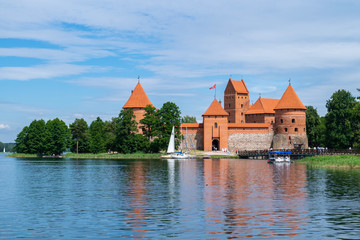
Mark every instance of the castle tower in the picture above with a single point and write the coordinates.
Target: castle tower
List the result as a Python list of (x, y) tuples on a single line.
[(236, 100), (215, 121), (290, 122), (138, 100)]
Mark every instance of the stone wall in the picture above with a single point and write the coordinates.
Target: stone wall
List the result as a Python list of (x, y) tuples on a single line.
[(288, 141), (250, 141), (197, 140)]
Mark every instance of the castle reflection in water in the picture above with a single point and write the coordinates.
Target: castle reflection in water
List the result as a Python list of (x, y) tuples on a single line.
[(219, 197)]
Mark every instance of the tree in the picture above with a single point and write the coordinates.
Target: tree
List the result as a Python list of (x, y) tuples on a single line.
[(169, 117), (312, 126), (79, 130), (110, 134), (36, 137), (97, 136), (188, 119), (339, 132), (150, 124), (2, 145), (21, 141), (58, 137), (356, 124), (126, 129)]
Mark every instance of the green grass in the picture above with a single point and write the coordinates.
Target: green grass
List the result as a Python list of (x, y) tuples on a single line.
[(336, 161), (137, 155), (23, 155)]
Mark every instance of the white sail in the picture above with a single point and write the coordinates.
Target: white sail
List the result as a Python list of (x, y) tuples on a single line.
[(171, 146), (4, 149)]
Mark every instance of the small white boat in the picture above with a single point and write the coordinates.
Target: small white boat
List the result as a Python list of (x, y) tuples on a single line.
[(171, 149), (279, 157)]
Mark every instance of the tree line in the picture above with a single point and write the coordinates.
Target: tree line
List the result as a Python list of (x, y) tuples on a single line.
[(340, 127), (120, 134)]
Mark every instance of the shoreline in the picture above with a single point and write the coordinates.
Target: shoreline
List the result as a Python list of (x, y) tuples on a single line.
[(199, 155), (334, 161)]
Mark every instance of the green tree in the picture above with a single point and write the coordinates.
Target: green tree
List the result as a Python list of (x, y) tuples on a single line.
[(58, 137), (312, 126), (150, 124), (169, 117), (2, 145), (188, 119), (339, 132), (79, 130), (21, 141), (356, 124), (36, 137), (97, 136), (110, 134), (126, 129)]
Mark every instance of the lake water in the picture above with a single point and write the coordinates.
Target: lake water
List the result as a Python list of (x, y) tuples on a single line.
[(180, 199)]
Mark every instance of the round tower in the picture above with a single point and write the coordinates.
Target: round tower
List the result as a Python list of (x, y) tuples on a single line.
[(137, 101), (290, 122)]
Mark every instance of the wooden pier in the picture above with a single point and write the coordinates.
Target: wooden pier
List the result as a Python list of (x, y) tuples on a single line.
[(296, 153)]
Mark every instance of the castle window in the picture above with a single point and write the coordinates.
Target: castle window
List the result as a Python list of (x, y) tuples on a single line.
[(229, 104), (242, 114), (293, 120), (272, 122), (241, 97), (242, 105), (281, 121), (285, 129), (296, 129), (245, 97), (216, 125)]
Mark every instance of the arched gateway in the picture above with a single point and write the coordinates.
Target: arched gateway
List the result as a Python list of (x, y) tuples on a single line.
[(215, 144)]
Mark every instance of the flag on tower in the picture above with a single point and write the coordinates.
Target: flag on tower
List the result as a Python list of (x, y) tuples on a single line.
[(213, 86)]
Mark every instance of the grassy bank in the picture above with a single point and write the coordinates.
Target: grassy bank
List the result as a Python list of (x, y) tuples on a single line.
[(336, 161), (137, 155), (95, 156), (23, 155)]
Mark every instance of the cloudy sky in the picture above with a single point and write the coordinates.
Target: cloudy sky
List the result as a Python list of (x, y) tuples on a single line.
[(81, 59)]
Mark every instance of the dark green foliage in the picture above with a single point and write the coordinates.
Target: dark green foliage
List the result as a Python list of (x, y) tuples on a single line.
[(356, 124), (313, 127), (21, 141), (169, 117), (110, 134), (58, 137), (150, 124), (339, 132), (1, 146), (80, 135), (188, 119), (97, 136), (126, 129), (36, 137)]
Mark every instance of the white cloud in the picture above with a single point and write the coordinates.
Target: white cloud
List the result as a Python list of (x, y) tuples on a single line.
[(43, 71), (4, 126)]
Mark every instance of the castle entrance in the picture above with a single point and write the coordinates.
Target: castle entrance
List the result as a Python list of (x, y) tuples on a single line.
[(215, 145)]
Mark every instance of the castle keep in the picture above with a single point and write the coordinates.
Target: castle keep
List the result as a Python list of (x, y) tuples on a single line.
[(268, 123)]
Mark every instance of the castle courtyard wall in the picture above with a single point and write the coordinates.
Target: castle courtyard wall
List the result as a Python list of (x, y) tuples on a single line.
[(256, 140)]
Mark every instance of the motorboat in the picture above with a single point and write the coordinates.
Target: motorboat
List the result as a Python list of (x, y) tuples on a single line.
[(279, 157)]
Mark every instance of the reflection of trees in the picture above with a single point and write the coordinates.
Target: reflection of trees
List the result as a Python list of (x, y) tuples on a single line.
[(334, 199)]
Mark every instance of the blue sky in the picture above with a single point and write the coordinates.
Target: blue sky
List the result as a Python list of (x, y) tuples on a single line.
[(81, 59)]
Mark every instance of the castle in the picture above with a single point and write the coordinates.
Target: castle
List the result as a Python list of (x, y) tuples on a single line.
[(268, 123)]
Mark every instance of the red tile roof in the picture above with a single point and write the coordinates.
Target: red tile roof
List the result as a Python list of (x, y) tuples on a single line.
[(215, 109), (263, 105), (239, 86), (138, 98), (290, 100)]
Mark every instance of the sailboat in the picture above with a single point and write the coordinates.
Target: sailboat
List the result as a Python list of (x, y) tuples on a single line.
[(4, 151), (171, 149)]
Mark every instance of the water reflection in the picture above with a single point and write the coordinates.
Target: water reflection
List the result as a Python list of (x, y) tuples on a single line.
[(253, 199), (183, 199)]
